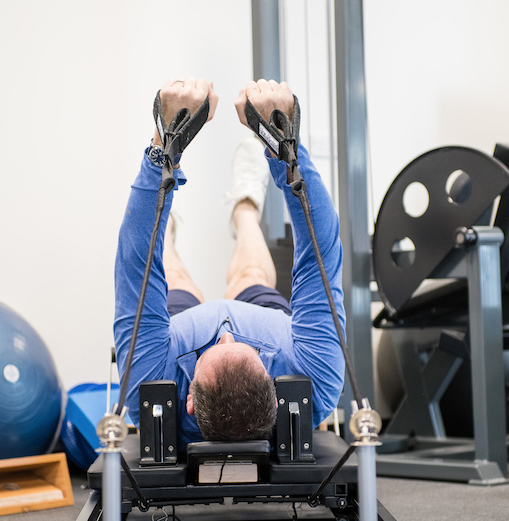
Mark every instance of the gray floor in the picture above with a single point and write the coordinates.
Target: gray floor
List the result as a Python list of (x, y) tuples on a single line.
[(405, 499), (415, 500)]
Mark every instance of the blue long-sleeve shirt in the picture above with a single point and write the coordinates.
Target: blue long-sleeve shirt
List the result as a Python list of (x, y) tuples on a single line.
[(304, 343)]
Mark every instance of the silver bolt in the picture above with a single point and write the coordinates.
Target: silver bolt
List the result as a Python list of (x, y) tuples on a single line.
[(281, 401), (306, 446), (305, 401), (169, 403), (147, 448), (282, 446), (171, 448), (145, 404)]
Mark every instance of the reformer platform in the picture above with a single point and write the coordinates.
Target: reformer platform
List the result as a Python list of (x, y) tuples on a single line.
[(286, 483), (247, 472)]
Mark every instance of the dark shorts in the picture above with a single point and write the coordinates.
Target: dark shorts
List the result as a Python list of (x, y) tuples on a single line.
[(180, 300)]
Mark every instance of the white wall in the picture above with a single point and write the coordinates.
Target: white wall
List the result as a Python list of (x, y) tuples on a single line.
[(78, 82), (436, 75)]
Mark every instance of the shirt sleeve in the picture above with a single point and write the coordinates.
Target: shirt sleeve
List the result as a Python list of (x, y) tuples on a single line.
[(316, 346), (153, 340)]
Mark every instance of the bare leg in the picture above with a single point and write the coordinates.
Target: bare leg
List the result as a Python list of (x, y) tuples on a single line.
[(177, 276), (251, 262)]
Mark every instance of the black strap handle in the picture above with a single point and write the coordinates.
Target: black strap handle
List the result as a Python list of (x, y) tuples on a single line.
[(280, 134), (177, 135)]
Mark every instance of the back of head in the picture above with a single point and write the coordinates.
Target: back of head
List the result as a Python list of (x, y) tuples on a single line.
[(240, 404)]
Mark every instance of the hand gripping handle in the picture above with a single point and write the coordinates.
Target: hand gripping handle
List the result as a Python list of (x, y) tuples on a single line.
[(178, 134), (279, 134)]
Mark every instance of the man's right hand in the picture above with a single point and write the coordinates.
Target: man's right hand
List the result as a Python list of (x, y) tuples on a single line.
[(266, 96), (190, 94)]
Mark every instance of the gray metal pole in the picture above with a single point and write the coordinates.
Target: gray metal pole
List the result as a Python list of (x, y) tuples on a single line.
[(352, 168), (112, 431), (365, 424), (111, 486), (266, 55), (353, 190), (267, 65), (368, 509), (486, 340)]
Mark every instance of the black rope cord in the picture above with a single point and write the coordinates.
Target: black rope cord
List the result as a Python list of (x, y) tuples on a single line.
[(299, 190), (306, 207), (175, 138), (282, 138), (313, 498), (143, 501), (161, 198)]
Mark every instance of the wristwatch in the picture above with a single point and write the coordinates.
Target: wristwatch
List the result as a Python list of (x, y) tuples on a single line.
[(156, 155)]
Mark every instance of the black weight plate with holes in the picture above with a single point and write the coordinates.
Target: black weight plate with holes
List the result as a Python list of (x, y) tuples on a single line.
[(432, 233)]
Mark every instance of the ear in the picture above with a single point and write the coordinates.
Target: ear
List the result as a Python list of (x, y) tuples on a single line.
[(190, 404)]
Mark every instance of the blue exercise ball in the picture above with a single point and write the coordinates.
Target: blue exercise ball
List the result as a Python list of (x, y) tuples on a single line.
[(31, 395)]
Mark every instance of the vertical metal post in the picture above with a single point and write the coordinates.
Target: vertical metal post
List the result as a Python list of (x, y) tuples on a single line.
[(486, 340), (353, 189), (368, 510), (365, 424), (112, 496), (266, 55), (112, 431), (267, 65)]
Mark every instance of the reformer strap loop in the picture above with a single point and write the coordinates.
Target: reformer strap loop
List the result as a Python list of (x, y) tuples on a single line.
[(177, 135)]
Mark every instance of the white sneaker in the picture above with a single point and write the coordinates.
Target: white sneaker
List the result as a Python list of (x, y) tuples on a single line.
[(172, 224), (250, 173)]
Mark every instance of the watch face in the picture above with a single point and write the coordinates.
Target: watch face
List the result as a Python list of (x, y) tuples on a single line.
[(156, 155)]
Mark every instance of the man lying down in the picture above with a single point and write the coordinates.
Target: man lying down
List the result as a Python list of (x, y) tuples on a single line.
[(224, 354)]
